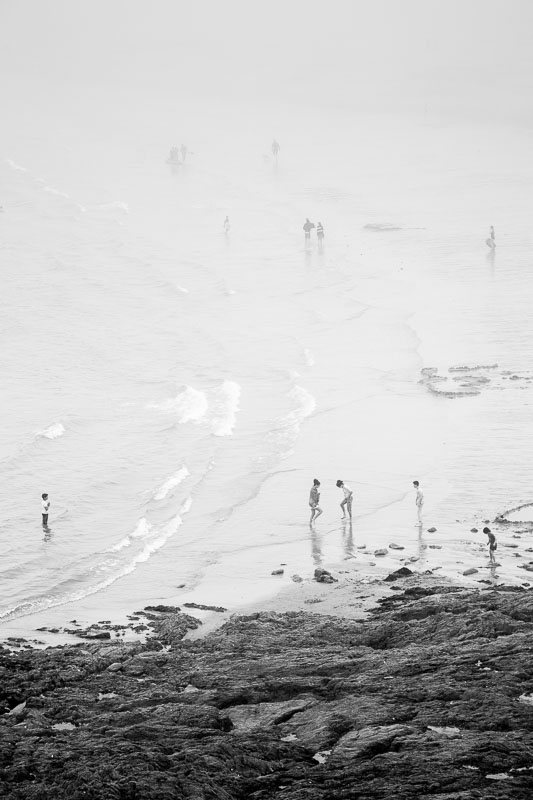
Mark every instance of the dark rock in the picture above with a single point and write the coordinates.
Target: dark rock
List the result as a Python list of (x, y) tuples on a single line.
[(381, 552), (164, 609), (403, 572), (432, 530), (424, 700), (205, 608), (98, 635), (323, 576), (470, 571), (277, 572)]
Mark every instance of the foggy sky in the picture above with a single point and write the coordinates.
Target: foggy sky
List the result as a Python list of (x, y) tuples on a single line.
[(391, 54)]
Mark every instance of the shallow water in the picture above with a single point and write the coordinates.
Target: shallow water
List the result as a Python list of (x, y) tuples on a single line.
[(175, 390)]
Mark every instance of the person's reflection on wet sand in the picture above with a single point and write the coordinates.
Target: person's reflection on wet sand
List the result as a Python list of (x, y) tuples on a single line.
[(491, 259), (421, 544), (316, 546), (347, 538)]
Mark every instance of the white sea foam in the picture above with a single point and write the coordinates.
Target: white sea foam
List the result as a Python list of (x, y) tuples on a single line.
[(116, 204), (190, 405), (16, 166), (53, 432), (305, 405), (287, 428), (217, 408), (141, 532), (52, 190), (171, 483), (226, 405), (153, 544)]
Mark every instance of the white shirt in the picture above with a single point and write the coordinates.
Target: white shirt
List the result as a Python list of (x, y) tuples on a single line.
[(346, 489), (419, 497), (45, 505)]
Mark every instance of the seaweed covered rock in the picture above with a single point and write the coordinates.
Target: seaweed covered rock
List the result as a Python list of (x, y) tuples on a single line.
[(427, 699)]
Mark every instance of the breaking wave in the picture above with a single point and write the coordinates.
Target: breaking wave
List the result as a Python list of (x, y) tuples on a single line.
[(217, 408), (170, 484), (53, 432)]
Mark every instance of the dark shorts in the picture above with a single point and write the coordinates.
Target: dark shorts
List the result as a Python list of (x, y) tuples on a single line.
[(45, 519)]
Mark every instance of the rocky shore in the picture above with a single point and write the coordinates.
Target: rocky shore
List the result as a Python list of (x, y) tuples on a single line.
[(429, 696)]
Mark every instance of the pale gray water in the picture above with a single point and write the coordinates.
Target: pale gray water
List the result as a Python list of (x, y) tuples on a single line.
[(176, 390)]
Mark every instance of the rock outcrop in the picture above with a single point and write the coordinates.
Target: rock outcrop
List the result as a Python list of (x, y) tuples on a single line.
[(428, 699)]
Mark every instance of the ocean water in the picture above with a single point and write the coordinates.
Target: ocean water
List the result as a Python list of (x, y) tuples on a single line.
[(175, 390)]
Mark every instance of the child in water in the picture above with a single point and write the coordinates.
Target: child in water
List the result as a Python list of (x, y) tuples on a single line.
[(493, 544), (314, 499)]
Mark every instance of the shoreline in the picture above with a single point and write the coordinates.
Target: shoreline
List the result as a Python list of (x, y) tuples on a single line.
[(234, 587)]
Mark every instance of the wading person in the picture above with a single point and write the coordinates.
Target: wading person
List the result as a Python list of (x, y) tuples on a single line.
[(314, 499), (45, 507), (346, 504), (419, 501), (308, 227), (492, 543)]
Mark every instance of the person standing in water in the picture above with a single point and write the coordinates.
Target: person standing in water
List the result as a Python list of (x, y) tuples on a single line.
[(492, 543), (491, 241), (226, 225), (45, 507), (320, 234), (308, 227), (346, 504), (314, 499), (275, 149), (183, 152), (419, 501)]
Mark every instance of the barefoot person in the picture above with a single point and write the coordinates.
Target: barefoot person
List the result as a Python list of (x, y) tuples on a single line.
[(348, 496), (45, 506), (493, 544), (320, 234), (314, 499), (419, 500), (308, 227)]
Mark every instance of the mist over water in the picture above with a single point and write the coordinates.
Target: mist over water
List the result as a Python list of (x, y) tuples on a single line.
[(174, 388)]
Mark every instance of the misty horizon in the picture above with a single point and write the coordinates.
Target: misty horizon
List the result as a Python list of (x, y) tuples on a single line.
[(424, 56)]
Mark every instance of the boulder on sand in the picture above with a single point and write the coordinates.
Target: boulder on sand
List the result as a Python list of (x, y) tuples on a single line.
[(323, 576), (403, 572)]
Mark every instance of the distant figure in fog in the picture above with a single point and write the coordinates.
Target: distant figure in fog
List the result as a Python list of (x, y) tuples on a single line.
[(183, 151), (492, 543), (174, 156), (275, 149), (45, 507), (491, 241), (227, 226), (419, 501), (346, 504), (308, 227), (314, 499), (320, 234)]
